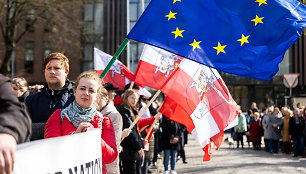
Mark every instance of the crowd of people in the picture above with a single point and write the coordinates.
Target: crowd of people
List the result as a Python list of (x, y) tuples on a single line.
[(63, 107), (280, 129)]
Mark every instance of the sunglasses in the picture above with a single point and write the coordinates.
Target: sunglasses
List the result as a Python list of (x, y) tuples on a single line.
[(146, 99)]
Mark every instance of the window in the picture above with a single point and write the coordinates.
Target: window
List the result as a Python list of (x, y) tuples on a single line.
[(30, 17), (135, 47), (47, 49), (92, 32), (99, 18), (87, 63), (88, 12), (284, 66), (29, 57)]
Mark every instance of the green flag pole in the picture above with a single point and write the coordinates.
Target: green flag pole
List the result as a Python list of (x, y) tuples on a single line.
[(117, 54)]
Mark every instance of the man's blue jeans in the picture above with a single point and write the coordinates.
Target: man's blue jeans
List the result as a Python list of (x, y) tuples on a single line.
[(167, 154)]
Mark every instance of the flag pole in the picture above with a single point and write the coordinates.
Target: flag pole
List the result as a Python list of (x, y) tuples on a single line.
[(142, 112), (131, 85), (117, 54), (151, 128)]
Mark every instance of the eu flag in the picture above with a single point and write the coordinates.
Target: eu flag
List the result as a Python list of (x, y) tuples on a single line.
[(242, 37)]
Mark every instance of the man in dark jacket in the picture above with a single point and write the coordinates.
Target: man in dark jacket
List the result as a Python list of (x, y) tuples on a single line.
[(296, 127), (57, 94), (15, 125)]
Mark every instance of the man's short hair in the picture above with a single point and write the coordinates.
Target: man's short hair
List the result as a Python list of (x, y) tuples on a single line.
[(57, 56)]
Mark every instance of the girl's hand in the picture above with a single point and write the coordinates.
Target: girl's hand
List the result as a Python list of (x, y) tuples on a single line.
[(125, 133), (83, 127)]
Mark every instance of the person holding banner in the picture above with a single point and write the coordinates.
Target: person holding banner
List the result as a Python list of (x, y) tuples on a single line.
[(82, 114), (15, 125)]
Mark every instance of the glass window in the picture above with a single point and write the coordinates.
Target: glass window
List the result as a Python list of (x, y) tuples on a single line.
[(88, 12), (29, 57), (133, 56), (284, 66), (133, 12), (87, 62), (47, 49), (99, 18)]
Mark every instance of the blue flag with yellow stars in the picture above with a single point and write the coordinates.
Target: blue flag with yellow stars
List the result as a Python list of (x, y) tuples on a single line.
[(242, 37)]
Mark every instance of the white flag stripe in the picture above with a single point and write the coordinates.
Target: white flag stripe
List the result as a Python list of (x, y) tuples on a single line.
[(204, 123), (202, 143), (101, 59), (232, 124), (153, 55), (193, 69)]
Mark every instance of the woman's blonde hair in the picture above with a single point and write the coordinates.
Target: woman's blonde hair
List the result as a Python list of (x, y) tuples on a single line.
[(125, 97), (21, 83)]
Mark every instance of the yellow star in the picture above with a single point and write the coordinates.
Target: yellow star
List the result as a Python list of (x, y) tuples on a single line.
[(170, 15), (244, 39), (195, 44), (178, 32), (257, 20), (261, 2), (174, 1), (220, 48)]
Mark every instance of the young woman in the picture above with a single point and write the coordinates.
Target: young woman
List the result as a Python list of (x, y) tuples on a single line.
[(81, 114), (132, 145)]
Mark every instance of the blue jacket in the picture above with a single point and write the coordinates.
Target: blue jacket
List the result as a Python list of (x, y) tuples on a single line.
[(41, 106)]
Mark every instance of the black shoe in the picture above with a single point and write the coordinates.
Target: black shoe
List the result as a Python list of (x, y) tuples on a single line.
[(149, 171), (294, 155), (185, 162)]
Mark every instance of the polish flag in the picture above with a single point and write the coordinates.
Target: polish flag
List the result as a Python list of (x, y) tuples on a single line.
[(198, 98), (119, 75), (155, 66)]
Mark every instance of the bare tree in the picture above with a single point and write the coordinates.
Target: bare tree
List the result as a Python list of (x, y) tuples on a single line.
[(18, 17)]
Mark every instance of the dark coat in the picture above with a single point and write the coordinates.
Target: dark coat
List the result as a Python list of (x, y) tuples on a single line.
[(41, 106), (14, 119), (132, 143), (296, 130), (23, 97), (170, 129)]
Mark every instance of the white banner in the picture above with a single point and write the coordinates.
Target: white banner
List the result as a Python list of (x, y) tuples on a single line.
[(72, 154)]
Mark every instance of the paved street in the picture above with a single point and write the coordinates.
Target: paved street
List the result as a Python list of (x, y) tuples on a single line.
[(231, 160)]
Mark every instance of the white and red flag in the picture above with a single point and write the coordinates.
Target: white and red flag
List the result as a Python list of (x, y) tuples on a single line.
[(119, 75), (155, 66), (198, 98)]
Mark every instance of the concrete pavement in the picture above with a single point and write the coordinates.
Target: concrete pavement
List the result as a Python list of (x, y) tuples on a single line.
[(231, 160)]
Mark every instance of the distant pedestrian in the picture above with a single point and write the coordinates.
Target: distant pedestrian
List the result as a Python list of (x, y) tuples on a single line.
[(256, 131), (267, 129), (240, 129), (275, 122), (287, 145), (171, 133), (249, 117), (296, 128)]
